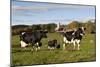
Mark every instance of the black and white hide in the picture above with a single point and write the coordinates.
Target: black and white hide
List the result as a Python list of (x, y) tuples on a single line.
[(52, 44), (73, 37), (33, 38)]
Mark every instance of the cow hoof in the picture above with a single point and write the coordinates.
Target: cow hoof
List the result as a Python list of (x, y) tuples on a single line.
[(31, 49), (78, 49), (39, 48), (36, 50)]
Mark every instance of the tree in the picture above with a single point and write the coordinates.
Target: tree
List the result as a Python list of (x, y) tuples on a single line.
[(36, 27), (51, 27), (74, 24), (90, 27)]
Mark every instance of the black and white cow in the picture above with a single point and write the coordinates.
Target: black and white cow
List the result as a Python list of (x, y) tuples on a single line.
[(34, 38), (73, 37), (52, 44)]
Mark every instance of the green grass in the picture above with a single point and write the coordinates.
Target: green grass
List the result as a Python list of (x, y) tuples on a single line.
[(45, 56)]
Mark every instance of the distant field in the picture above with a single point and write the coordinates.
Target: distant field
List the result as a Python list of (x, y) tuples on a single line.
[(87, 52)]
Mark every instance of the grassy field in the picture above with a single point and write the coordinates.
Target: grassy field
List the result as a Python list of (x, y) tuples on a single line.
[(87, 52)]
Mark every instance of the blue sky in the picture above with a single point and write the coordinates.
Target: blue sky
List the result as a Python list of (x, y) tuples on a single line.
[(42, 13)]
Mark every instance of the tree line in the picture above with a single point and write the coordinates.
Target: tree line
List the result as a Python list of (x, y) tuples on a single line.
[(17, 29), (89, 25)]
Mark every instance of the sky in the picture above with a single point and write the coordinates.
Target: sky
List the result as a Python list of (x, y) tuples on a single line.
[(29, 13)]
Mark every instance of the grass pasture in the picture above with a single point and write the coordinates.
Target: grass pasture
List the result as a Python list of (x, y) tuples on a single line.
[(87, 52)]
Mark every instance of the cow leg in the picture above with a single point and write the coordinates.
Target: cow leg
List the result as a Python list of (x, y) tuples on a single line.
[(33, 47), (78, 43), (78, 46), (48, 47), (64, 46), (53, 48), (36, 49), (65, 41), (74, 44), (37, 46)]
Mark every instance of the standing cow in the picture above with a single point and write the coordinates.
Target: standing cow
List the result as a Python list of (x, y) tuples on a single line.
[(73, 37), (33, 38)]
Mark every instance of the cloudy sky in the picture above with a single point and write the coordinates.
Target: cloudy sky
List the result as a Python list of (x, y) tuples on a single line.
[(43, 13)]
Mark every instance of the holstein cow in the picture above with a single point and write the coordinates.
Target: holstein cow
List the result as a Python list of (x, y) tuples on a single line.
[(73, 37), (52, 44), (33, 38)]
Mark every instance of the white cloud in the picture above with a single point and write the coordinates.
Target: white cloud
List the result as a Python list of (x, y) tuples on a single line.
[(47, 6), (27, 10), (20, 10)]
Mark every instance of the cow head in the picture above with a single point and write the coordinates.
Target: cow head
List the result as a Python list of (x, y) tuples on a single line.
[(81, 31), (44, 33)]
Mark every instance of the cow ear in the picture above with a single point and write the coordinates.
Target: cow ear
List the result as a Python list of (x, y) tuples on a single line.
[(79, 28)]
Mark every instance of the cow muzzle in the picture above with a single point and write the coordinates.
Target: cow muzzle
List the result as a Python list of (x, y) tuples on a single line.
[(82, 34)]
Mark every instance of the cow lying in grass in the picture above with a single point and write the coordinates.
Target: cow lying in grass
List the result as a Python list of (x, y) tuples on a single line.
[(33, 38), (52, 44), (73, 37)]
